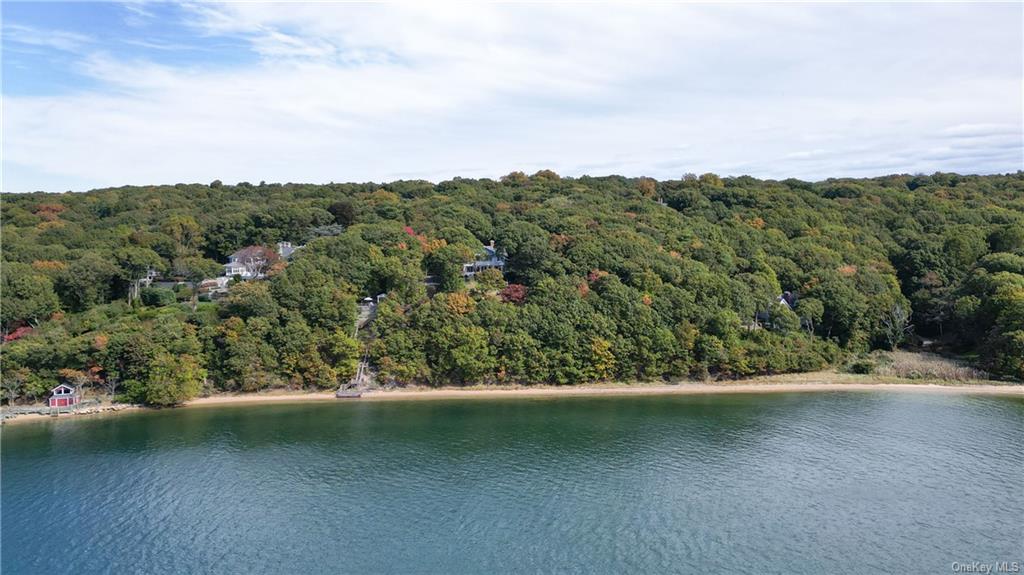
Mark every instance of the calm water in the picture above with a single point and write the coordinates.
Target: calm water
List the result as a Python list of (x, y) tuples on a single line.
[(791, 483)]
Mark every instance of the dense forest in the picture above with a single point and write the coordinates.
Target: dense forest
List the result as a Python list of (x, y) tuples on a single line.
[(605, 278)]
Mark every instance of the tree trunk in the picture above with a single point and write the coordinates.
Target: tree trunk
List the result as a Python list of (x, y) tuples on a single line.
[(133, 291)]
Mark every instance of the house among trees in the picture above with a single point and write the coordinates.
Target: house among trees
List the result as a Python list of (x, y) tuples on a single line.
[(251, 262), (214, 287), (64, 395), (285, 250), (151, 275), (487, 259), (787, 299)]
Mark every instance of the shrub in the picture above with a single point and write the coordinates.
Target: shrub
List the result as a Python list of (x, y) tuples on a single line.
[(926, 366), (157, 297), (863, 366), (182, 292)]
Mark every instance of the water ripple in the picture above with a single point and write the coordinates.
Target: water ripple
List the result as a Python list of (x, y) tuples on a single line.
[(788, 483)]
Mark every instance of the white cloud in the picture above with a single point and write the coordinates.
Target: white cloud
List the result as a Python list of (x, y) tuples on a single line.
[(30, 36), (360, 92), (136, 13)]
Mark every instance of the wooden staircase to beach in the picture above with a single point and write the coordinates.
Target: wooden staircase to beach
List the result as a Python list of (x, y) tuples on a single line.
[(364, 376)]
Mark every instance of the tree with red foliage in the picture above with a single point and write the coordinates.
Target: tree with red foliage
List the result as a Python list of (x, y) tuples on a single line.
[(513, 293)]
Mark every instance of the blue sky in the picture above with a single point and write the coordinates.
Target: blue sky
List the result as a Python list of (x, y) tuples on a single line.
[(107, 94)]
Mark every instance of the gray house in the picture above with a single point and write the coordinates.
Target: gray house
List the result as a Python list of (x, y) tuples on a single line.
[(489, 258)]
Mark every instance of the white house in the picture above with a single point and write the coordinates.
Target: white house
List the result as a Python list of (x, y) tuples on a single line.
[(488, 259), (250, 262), (151, 275)]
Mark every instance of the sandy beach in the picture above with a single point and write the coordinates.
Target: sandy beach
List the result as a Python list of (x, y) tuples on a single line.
[(420, 394), (789, 383)]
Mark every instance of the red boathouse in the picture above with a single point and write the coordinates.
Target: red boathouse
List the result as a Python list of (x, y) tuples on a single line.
[(64, 395)]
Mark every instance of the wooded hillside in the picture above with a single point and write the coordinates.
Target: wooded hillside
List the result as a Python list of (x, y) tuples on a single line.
[(604, 278)]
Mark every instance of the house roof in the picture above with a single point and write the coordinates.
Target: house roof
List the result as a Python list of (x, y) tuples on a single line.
[(254, 252), (18, 333), (286, 249), (70, 386), (214, 282)]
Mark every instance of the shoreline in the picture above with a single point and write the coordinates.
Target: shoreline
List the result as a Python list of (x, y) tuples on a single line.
[(789, 383), (423, 394)]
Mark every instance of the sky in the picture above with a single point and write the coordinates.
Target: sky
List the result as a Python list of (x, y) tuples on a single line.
[(109, 94)]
